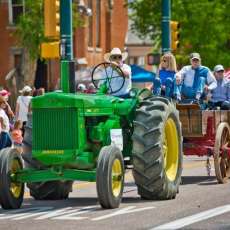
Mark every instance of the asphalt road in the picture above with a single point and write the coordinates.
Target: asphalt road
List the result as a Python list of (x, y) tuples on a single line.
[(200, 204)]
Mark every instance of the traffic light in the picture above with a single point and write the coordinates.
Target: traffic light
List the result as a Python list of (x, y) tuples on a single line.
[(50, 50), (52, 18), (175, 35)]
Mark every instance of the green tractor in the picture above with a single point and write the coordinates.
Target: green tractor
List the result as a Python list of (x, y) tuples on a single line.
[(93, 137)]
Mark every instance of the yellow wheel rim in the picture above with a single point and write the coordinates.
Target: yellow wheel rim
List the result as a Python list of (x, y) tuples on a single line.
[(171, 149), (15, 188), (117, 177)]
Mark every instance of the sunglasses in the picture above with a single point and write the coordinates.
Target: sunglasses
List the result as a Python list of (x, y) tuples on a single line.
[(116, 57), (220, 71), (195, 60)]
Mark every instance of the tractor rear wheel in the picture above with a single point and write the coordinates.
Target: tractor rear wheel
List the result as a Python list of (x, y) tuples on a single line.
[(11, 192), (157, 149), (110, 177), (51, 190)]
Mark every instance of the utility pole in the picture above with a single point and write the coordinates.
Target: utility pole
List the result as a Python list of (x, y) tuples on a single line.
[(66, 47), (165, 24)]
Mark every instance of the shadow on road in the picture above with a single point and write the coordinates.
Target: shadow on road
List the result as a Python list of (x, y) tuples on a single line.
[(78, 202), (130, 184), (70, 202), (200, 180)]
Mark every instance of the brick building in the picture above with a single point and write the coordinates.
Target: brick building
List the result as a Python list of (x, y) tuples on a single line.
[(104, 29)]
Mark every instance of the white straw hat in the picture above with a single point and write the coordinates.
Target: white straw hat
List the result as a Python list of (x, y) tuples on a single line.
[(115, 51)]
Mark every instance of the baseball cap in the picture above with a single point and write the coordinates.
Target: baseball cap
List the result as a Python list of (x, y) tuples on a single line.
[(218, 68), (25, 89), (4, 93), (195, 56)]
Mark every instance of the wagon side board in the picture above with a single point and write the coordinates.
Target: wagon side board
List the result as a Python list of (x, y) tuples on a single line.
[(195, 121)]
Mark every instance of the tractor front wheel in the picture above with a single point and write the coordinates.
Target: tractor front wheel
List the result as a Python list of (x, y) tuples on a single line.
[(157, 149), (110, 177), (11, 192)]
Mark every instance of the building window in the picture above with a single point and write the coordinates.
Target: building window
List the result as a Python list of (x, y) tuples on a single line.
[(90, 38), (98, 23), (141, 61), (16, 8)]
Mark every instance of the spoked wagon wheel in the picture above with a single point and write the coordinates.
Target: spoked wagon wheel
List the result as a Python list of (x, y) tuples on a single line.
[(11, 192), (221, 157), (110, 177)]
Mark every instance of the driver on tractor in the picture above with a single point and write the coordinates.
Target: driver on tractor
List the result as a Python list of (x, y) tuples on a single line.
[(120, 84)]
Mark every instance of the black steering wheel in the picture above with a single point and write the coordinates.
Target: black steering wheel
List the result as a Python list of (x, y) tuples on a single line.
[(107, 72)]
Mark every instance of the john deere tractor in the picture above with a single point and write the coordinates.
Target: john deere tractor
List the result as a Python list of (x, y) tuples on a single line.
[(86, 137)]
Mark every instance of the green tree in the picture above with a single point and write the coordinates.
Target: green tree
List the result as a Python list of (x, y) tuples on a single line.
[(204, 27), (30, 34)]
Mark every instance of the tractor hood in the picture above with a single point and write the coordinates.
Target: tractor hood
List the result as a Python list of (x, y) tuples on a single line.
[(91, 104)]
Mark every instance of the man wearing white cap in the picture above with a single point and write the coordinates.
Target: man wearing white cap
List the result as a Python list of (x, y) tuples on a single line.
[(221, 94), (117, 58), (195, 79)]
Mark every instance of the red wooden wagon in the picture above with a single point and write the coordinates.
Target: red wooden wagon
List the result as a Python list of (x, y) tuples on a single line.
[(207, 132)]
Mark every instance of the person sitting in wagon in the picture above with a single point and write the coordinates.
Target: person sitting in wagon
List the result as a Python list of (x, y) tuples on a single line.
[(195, 80), (164, 84), (220, 96)]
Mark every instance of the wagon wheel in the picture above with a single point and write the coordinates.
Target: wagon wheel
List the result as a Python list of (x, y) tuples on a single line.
[(221, 157)]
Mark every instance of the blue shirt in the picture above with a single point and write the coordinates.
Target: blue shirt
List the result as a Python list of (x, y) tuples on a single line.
[(222, 91), (164, 74)]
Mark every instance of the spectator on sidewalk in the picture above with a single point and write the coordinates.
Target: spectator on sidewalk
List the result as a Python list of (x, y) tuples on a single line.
[(220, 96), (4, 93), (36, 92), (16, 135), (195, 80), (164, 83), (81, 88), (22, 105), (5, 140)]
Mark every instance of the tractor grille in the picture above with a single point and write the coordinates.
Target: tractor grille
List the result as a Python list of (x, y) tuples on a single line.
[(54, 128)]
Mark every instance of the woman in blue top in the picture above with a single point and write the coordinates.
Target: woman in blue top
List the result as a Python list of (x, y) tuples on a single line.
[(164, 83)]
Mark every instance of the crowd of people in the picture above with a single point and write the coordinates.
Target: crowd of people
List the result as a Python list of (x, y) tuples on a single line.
[(12, 123), (194, 82)]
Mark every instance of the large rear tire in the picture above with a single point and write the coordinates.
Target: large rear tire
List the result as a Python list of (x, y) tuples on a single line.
[(11, 192), (51, 190), (110, 177), (157, 149)]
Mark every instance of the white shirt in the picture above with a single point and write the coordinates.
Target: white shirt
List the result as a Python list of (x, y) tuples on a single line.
[(116, 83), (5, 119), (23, 102), (187, 74)]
